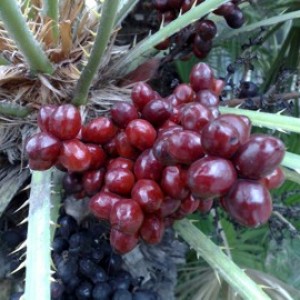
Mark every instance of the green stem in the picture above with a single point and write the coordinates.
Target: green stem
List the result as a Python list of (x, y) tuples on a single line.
[(291, 175), (38, 258), (146, 48), (14, 110), (107, 20), (220, 262), (273, 121), (126, 8), (292, 161), (51, 10), (15, 24)]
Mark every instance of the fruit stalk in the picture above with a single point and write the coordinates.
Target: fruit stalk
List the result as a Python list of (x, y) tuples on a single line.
[(15, 24), (51, 10), (227, 269), (38, 258), (143, 50), (106, 23)]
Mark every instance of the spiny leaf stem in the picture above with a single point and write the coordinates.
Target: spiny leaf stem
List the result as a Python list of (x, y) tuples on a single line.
[(107, 21), (220, 262), (15, 24), (51, 10)]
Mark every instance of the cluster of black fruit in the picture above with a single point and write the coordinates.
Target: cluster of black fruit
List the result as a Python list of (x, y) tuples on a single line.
[(198, 37), (87, 267)]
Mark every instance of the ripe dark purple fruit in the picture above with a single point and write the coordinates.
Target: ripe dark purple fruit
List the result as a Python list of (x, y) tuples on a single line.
[(235, 18), (123, 112), (126, 216), (249, 203), (201, 77), (207, 98), (124, 147), (210, 177), (65, 122), (44, 116), (220, 138), (207, 29), (273, 180), (43, 146), (259, 156), (92, 181), (98, 156), (205, 206), (183, 93)]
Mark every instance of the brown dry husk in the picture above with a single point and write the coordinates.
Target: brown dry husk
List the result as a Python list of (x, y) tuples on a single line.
[(77, 25)]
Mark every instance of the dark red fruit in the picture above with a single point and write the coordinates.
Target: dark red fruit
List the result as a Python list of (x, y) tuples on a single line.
[(175, 4), (65, 122), (161, 152), (44, 116), (273, 180), (210, 177), (72, 183), (241, 123), (164, 133), (123, 243), (141, 134), (141, 94), (225, 9), (220, 138), (75, 156), (92, 181), (165, 44), (194, 116), (152, 229), (100, 205), (235, 18), (173, 183), (98, 156), (40, 165), (185, 146), (156, 112), (205, 206), (148, 194), (119, 181), (125, 148), (207, 98), (168, 207), (126, 216), (207, 29), (259, 156), (111, 147), (249, 203), (43, 146), (189, 205), (201, 77), (147, 166), (218, 86), (201, 45), (123, 112), (183, 93), (100, 131), (161, 5), (120, 162)]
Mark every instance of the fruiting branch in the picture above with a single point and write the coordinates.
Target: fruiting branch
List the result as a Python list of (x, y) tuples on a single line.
[(107, 21), (38, 258), (146, 47), (273, 121), (15, 24), (13, 110), (227, 269), (51, 10)]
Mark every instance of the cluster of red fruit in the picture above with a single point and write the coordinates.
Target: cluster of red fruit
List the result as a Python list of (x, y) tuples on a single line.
[(157, 160), (199, 35)]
